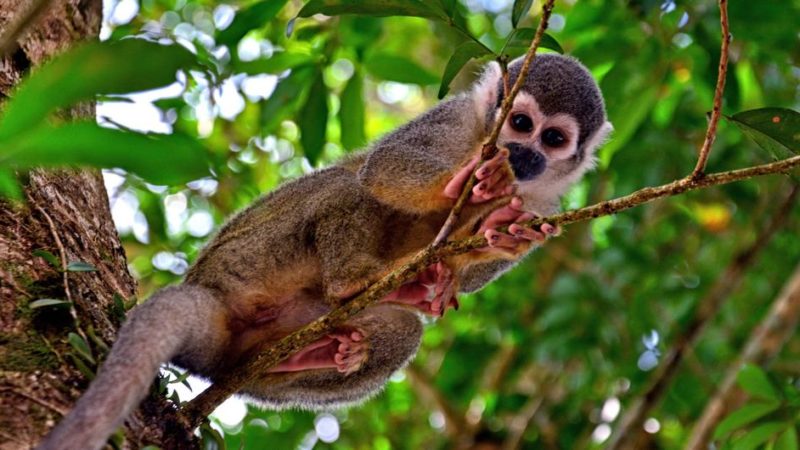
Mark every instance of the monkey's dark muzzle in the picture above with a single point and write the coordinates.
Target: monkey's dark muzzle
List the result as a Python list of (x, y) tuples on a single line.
[(526, 162)]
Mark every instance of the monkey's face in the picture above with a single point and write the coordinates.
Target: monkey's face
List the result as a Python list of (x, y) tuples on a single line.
[(544, 149)]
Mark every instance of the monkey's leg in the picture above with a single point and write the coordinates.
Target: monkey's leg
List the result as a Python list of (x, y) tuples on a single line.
[(185, 320), (432, 292), (519, 238), (344, 351)]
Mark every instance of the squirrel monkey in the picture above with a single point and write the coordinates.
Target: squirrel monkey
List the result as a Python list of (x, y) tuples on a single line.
[(315, 242)]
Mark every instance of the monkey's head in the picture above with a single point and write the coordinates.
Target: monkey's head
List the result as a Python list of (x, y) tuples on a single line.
[(557, 122)]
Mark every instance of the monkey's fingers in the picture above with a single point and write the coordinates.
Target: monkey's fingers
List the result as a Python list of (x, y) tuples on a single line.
[(492, 166), (505, 215), (456, 184)]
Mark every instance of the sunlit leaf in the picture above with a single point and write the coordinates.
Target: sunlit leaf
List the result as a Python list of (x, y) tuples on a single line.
[(520, 10), (463, 53), (96, 68), (755, 381), (351, 112), (161, 159), (313, 120), (253, 17), (758, 435), (49, 257), (776, 130), (42, 302), (80, 266), (787, 440), (381, 8), (743, 416), (523, 37), (398, 68)]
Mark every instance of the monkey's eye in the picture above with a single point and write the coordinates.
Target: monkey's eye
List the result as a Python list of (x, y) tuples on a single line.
[(521, 123), (551, 137)]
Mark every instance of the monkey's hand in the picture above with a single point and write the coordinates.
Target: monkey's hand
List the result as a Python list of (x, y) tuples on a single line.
[(494, 179), (345, 351), (432, 292), (518, 240)]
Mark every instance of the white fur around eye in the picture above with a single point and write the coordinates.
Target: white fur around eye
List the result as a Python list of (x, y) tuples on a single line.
[(569, 127)]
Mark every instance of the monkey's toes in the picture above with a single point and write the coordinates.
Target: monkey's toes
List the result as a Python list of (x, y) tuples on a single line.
[(351, 352)]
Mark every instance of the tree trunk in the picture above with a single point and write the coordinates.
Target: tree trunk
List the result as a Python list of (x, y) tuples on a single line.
[(66, 215)]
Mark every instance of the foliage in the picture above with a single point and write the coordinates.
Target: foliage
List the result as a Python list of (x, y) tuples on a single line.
[(554, 344)]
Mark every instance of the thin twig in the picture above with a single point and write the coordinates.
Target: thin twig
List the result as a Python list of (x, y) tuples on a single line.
[(65, 273), (764, 343), (631, 423), (21, 22), (711, 132), (223, 387), (490, 147)]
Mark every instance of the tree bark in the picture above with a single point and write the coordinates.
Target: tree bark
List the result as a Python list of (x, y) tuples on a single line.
[(65, 214)]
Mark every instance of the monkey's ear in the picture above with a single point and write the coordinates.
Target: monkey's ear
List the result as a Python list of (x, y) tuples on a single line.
[(486, 88), (598, 138)]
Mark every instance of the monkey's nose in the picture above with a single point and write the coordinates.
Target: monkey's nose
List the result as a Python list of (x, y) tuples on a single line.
[(527, 163)]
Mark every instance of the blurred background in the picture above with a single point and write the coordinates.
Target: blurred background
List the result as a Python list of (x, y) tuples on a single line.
[(554, 353)]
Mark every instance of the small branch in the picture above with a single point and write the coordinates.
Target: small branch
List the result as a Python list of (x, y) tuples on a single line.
[(490, 147), (21, 22), (765, 341), (630, 426), (223, 387), (711, 132)]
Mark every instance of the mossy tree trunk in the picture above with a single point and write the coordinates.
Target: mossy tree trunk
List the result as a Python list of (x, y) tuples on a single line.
[(66, 215)]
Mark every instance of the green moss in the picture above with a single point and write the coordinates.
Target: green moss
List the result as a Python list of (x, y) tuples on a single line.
[(25, 353)]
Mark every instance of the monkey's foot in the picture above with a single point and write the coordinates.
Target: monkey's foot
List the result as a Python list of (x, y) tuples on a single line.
[(432, 292), (494, 179), (519, 238), (344, 351)]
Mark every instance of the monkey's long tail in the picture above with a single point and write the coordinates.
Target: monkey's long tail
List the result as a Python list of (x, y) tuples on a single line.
[(173, 320)]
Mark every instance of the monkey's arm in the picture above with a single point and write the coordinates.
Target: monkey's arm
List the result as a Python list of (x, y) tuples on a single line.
[(410, 168), (182, 319)]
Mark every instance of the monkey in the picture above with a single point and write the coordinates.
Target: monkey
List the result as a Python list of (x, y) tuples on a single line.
[(317, 241)]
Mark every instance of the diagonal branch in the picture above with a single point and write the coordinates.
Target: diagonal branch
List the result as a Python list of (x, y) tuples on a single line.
[(490, 147)]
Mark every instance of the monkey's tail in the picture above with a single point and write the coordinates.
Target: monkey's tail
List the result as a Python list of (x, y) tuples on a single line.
[(173, 320)]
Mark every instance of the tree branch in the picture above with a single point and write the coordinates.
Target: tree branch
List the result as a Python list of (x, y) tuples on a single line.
[(490, 147), (711, 132), (764, 343), (630, 426)]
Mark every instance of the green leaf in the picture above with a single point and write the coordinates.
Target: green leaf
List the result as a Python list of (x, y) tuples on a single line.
[(275, 64), (787, 440), (463, 53), (9, 186), (253, 17), (776, 130), (286, 98), (523, 37), (755, 381), (398, 68), (47, 302), (313, 120), (758, 435), (161, 159), (80, 346), (351, 112), (520, 10), (96, 68), (80, 266), (380, 8), (743, 416), (49, 257)]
